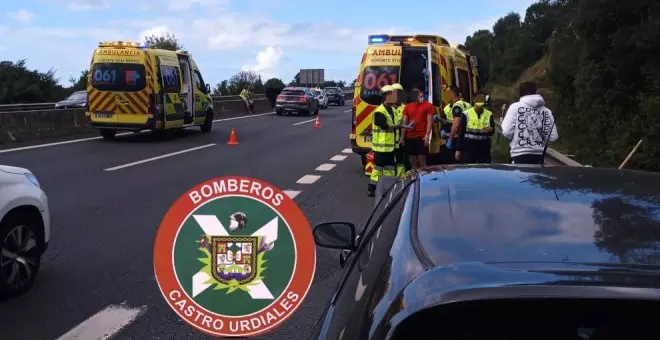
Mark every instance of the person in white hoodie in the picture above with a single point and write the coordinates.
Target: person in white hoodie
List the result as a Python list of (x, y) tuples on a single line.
[(529, 125)]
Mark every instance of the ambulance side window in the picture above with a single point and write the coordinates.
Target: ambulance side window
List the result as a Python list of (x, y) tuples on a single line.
[(464, 82), (437, 84), (171, 78), (199, 81)]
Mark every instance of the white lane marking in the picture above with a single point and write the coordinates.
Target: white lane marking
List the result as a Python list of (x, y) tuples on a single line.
[(105, 323), (346, 111), (304, 122), (159, 157), (347, 151), (308, 179), (338, 158), (243, 117), (325, 167), (292, 193), (119, 134)]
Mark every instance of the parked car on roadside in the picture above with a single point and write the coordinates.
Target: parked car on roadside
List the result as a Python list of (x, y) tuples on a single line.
[(500, 252), (77, 99), (321, 97), (296, 100), (335, 95), (24, 229)]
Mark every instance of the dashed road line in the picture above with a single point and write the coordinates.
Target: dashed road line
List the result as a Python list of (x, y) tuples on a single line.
[(105, 323), (308, 179), (292, 193), (79, 140), (347, 111), (159, 157), (304, 122), (347, 150), (338, 158), (325, 167)]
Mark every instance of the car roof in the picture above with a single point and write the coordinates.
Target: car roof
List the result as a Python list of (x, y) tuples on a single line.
[(295, 88), (508, 214)]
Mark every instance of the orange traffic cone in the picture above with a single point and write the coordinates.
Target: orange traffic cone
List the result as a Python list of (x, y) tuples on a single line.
[(232, 138), (317, 123)]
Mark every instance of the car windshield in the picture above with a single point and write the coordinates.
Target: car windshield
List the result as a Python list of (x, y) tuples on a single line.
[(293, 92), (78, 96)]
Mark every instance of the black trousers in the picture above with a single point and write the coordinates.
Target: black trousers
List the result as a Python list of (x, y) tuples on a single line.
[(527, 159), (476, 152)]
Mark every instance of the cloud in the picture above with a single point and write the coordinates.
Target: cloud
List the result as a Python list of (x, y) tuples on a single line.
[(22, 15), (86, 5), (267, 62), (177, 5)]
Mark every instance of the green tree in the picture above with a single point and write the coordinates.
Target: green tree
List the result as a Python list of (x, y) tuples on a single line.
[(20, 85), (80, 83), (166, 42), (274, 83), (479, 45), (221, 89), (296, 80), (244, 78)]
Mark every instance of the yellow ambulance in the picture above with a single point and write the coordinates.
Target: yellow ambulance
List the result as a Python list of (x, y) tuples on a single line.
[(133, 87), (412, 59)]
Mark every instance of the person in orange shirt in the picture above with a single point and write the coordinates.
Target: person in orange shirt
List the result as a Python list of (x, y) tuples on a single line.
[(416, 139)]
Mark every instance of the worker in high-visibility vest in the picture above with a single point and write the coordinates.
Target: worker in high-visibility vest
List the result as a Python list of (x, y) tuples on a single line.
[(246, 95), (383, 141), (473, 143), (452, 113), (400, 155)]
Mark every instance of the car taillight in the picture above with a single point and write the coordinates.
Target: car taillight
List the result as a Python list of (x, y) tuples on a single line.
[(302, 99), (280, 98)]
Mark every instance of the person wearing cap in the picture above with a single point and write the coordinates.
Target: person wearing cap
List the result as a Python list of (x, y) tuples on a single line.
[(401, 158), (383, 141), (477, 126), (417, 138)]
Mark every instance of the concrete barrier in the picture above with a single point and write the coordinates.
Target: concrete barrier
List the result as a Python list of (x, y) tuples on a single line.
[(34, 125)]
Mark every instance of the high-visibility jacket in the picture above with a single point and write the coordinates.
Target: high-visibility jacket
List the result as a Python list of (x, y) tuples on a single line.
[(398, 116), (383, 141), (244, 94), (449, 107), (475, 124)]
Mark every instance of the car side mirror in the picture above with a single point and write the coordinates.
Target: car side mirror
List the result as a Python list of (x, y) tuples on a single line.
[(335, 235), (208, 88)]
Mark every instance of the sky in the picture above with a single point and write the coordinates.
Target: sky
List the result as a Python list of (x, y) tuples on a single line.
[(275, 38)]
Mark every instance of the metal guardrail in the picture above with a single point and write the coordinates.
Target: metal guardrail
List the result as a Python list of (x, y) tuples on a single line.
[(31, 107)]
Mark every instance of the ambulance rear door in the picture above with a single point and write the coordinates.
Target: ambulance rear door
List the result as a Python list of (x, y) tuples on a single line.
[(382, 66), (171, 84)]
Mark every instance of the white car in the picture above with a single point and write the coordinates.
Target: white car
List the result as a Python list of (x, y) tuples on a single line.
[(323, 99), (24, 229)]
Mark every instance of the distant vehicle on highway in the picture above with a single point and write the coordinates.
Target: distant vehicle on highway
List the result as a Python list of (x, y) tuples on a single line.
[(296, 100), (335, 95), (77, 99), (24, 229), (134, 87), (321, 97), (512, 253)]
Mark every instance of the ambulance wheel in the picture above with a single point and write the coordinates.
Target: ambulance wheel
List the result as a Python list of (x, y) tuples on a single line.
[(108, 134), (208, 123)]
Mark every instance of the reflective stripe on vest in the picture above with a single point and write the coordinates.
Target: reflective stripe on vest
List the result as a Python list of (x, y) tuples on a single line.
[(382, 141), (475, 124)]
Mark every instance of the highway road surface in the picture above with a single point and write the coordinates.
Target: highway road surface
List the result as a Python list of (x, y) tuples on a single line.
[(108, 197)]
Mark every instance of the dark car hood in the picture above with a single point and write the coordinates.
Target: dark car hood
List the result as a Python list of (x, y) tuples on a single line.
[(540, 214)]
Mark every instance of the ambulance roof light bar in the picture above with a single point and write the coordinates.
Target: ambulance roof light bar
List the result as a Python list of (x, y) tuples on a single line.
[(118, 44), (378, 39)]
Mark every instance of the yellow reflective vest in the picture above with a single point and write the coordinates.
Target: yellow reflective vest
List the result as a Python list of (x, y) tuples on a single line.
[(383, 141), (244, 94), (475, 124)]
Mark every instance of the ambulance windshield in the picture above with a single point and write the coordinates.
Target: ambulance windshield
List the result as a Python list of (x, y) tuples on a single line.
[(118, 77), (373, 79)]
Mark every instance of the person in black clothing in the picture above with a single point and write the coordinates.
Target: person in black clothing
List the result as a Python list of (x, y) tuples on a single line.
[(473, 145)]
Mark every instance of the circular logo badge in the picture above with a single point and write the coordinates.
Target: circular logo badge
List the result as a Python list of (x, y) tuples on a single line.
[(234, 256)]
